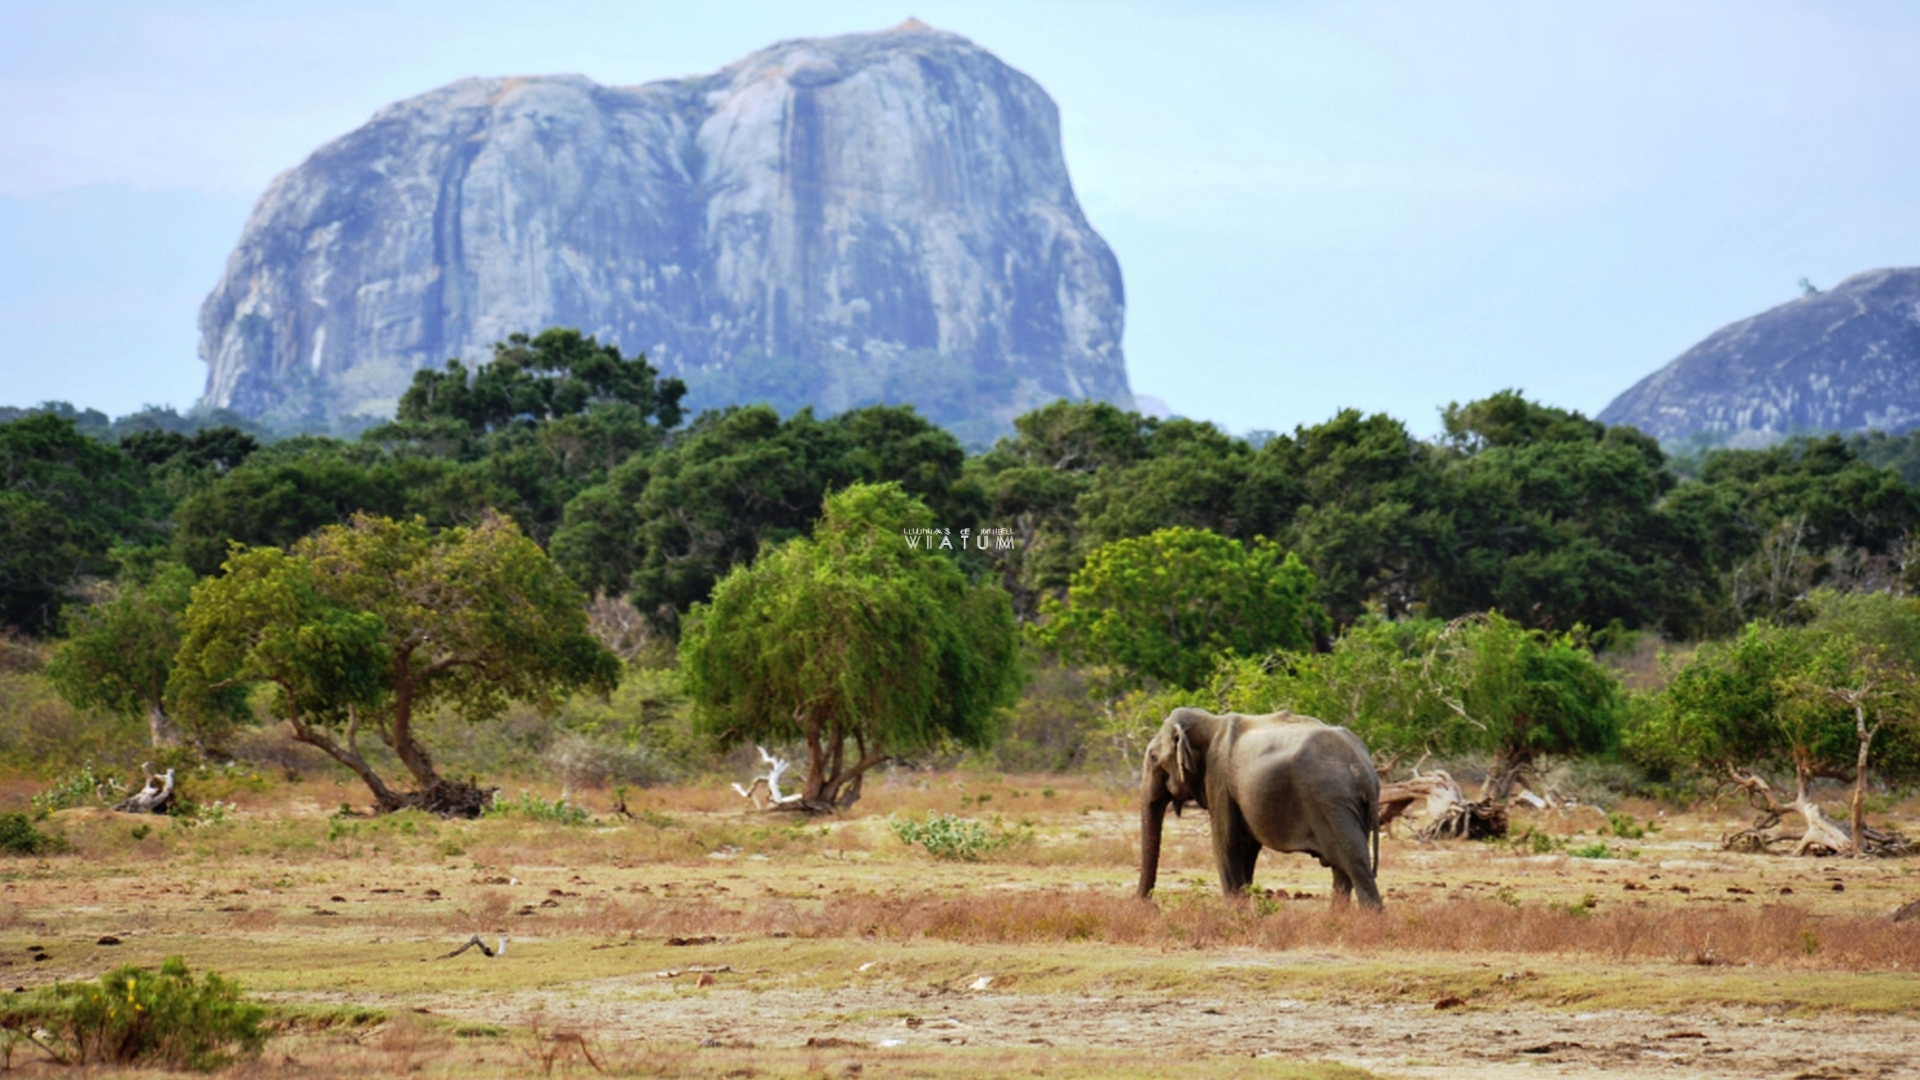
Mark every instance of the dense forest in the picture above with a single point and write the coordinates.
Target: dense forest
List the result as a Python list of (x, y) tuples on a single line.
[(1531, 523)]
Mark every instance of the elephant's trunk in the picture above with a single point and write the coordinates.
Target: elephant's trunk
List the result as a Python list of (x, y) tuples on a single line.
[(1153, 816)]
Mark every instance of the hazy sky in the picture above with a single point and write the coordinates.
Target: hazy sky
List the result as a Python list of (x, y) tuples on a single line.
[(1315, 205)]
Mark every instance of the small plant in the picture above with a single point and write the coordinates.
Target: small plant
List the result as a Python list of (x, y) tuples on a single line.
[(560, 811), (141, 832), (949, 836), (1583, 909), (19, 837), (134, 1016), (1624, 827), (1535, 842), (1596, 850), (82, 788), (1507, 896)]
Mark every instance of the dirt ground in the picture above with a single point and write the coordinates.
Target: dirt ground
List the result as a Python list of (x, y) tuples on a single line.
[(694, 939)]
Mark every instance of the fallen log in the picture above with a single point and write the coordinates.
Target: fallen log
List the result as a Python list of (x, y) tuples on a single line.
[(1450, 814)]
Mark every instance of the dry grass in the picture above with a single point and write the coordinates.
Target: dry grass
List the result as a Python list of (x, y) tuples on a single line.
[(1772, 935)]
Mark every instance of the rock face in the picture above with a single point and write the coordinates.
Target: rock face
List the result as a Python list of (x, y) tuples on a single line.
[(871, 217), (1843, 360)]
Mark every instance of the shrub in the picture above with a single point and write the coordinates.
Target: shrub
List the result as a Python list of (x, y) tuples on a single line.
[(534, 808), (949, 836), (19, 837), (83, 787), (583, 761), (134, 1016)]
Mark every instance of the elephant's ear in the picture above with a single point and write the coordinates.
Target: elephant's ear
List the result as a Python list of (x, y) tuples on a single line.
[(1183, 758)]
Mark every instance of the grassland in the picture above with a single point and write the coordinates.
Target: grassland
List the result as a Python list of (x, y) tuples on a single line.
[(694, 939)]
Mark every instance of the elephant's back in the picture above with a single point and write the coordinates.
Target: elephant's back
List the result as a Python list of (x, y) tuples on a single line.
[(1301, 756)]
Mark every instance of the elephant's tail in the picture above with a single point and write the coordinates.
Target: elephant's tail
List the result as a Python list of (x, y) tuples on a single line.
[(1374, 807)]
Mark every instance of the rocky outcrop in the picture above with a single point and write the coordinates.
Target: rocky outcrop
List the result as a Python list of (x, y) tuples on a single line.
[(1843, 360), (867, 217)]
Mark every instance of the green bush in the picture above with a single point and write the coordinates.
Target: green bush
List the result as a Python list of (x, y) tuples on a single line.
[(949, 836), (134, 1016), (83, 787), (19, 837), (534, 808)]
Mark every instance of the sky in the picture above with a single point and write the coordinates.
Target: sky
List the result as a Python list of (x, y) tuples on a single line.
[(1315, 206)]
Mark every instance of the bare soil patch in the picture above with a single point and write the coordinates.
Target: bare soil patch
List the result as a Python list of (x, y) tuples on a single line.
[(812, 947)]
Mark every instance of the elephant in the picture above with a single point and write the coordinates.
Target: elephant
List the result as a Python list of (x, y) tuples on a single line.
[(1281, 781)]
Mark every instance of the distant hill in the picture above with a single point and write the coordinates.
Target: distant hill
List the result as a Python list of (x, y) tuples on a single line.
[(1847, 359), (836, 221)]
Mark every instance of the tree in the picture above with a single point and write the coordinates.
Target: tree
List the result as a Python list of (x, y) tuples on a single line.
[(370, 623), (119, 653), (1773, 525), (1526, 693), (1812, 700), (65, 502), (853, 642), (1033, 481), (668, 526), (1359, 498), (1481, 684), (1167, 605), (559, 372), (1557, 520)]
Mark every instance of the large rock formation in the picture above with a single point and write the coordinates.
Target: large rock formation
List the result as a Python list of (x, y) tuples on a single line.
[(1843, 360), (872, 217)]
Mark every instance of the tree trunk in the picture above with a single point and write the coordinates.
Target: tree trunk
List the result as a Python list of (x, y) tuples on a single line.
[(1856, 812), (399, 736), (1508, 765), (348, 755), (160, 730)]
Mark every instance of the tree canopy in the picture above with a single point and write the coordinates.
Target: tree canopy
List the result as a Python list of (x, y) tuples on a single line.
[(365, 625), (853, 643), (1166, 606), (66, 501)]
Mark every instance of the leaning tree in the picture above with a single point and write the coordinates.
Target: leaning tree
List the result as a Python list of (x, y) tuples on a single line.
[(368, 625), (1829, 700), (854, 643)]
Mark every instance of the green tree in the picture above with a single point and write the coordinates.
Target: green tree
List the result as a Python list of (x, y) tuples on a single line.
[(1167, 605), (1033, 481), (1360, 500), (65, 502), (118, 656), (667, 527), (1815, 700), (1482, 684), (370, 623), (556, 373), (1557, 520), (283, 494), (853, 642), (1527, 693), (1776, 524)]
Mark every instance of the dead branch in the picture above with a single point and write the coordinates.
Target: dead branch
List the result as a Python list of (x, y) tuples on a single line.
[(474, 942), (764, 792), (1450, 815), (1822, 834), (155, 798)]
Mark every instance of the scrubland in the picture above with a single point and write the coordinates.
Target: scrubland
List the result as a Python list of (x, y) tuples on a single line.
[(692, 938)]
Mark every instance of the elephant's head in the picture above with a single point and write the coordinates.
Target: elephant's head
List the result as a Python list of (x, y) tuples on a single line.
[(1173, 775)]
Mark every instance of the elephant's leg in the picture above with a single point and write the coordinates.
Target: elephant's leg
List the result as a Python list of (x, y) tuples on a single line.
[(1342, 888), (1353, 872), (1234, 849)]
